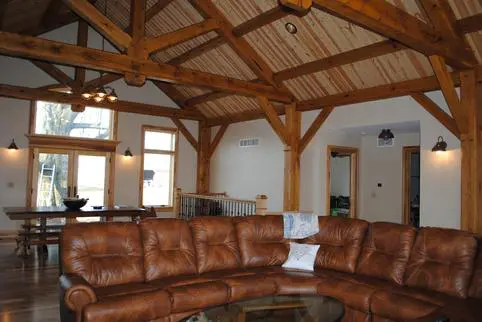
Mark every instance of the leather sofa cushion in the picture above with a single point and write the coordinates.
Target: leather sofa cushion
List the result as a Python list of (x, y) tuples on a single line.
[(122, 289), (197, 296), (168, 248), (292, 282), (399, 307), (261, 241), (476, 282), (147, 306), (244, 287), (340, 242), (442, 260), (386, 251), (216, 243), (103, 254)]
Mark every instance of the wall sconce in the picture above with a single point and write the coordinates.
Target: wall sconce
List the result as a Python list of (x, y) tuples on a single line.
[(128, 153), (440, 145), (13, 145)]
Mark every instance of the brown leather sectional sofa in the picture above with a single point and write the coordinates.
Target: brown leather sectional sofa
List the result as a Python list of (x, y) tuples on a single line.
[(167, 269)]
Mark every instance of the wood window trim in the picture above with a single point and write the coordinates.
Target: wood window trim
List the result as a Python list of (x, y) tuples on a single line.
[(71, 143), (145, 128), (407, 152)]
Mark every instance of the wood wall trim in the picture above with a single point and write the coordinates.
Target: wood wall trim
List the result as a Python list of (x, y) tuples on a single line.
[(61, 142)]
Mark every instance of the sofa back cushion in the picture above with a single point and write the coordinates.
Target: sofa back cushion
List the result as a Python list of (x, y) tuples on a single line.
[(261, 241), (386, 251), (216, 243), (168, 248), (103, 253), (340, 242), (475, 289), (442, 260)]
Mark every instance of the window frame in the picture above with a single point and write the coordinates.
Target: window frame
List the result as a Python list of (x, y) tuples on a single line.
[(172, 130)]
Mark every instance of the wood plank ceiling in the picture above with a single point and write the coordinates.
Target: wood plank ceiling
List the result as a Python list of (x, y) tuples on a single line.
[(322, 38)]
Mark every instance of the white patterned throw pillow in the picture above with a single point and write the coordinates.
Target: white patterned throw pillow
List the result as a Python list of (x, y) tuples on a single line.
[(301, 256)]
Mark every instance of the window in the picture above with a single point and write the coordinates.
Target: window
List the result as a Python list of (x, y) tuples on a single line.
[(58, 119), (159, 148)]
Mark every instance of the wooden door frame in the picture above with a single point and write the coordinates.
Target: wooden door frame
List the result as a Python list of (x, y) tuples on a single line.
[(354, 157), (407, 151)]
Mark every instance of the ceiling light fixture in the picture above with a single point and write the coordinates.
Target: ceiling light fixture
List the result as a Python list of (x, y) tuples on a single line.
[(99, 94), (386, 135), (291, 28), (440, 145)]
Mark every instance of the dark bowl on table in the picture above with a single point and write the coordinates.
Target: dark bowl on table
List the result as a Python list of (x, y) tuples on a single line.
[(75, 203)]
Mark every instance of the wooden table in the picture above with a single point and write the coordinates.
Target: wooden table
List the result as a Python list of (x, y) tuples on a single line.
[(43, 213)]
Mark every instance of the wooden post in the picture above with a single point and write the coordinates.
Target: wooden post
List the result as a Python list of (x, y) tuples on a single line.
[(291, 200), (176, 206), (471, 142), (261, 205), (203, 158)]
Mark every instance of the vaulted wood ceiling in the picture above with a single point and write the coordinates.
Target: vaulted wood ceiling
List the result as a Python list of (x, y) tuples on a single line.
[(328, 62)]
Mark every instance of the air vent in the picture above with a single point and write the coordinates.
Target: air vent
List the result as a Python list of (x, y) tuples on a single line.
[(381, 143), (249, 143)]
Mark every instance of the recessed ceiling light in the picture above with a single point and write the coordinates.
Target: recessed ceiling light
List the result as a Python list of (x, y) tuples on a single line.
[(291, 28)]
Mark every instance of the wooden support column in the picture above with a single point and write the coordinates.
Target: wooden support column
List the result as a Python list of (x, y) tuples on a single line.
[(471, 141), (203, 157), (82, 40), (291, 196)]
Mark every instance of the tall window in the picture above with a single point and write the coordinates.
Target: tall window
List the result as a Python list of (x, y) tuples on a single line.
[(58, 119), (159, 149)]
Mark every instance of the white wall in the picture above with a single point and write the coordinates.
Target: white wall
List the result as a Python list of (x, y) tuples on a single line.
[(384, 166), (14, 121), (246, 173), (340, 176)]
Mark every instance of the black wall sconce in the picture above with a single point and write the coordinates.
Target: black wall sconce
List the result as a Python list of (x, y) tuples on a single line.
[(13, 145), (440, 145), (128, 153)]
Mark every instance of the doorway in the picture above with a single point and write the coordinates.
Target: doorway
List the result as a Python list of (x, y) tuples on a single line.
[(411, 186), (60, 173), (342, 181)]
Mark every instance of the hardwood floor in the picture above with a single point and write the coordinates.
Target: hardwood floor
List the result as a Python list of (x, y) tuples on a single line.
[(28, 286)]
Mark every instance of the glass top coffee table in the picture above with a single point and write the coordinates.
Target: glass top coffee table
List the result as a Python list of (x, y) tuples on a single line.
[(275, 309)]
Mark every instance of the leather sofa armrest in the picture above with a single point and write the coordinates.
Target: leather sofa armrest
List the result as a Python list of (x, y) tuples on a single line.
[(77, 292)]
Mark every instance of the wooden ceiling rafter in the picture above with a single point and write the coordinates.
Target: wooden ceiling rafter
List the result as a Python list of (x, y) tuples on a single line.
[(470, 24), (431, 107), (62, 53), (80, 73), (155, 9), (314, 127), (391, 22), (260, 20), (198, 51), (448, 90), (135, 48), (3, 10), (185, 132), (56, 74), (101, 81), (27, 93)]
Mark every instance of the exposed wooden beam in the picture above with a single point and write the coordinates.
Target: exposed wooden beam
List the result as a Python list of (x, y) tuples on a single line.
[(240, 45), (136, 49), (441, 17), (41, 49), (448, 90), (170, 39), (192, 102), (298, 5), (82, 39), (198, 51), (291, 191), (314, 127), (404, 88), (217, 139), (189, 137), (389, 21), (55, 73), (348, 57), (171, 92), (431, 107), (203, 158), (51, 13), (470, 24), (3, 9), (273, 119), (101, 81), (156, 8), (101, 23), (259, 21), (27, 93)]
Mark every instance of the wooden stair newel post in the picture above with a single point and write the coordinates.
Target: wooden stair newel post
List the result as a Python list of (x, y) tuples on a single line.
[(203, 158), (291, 196), (471, 143)]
